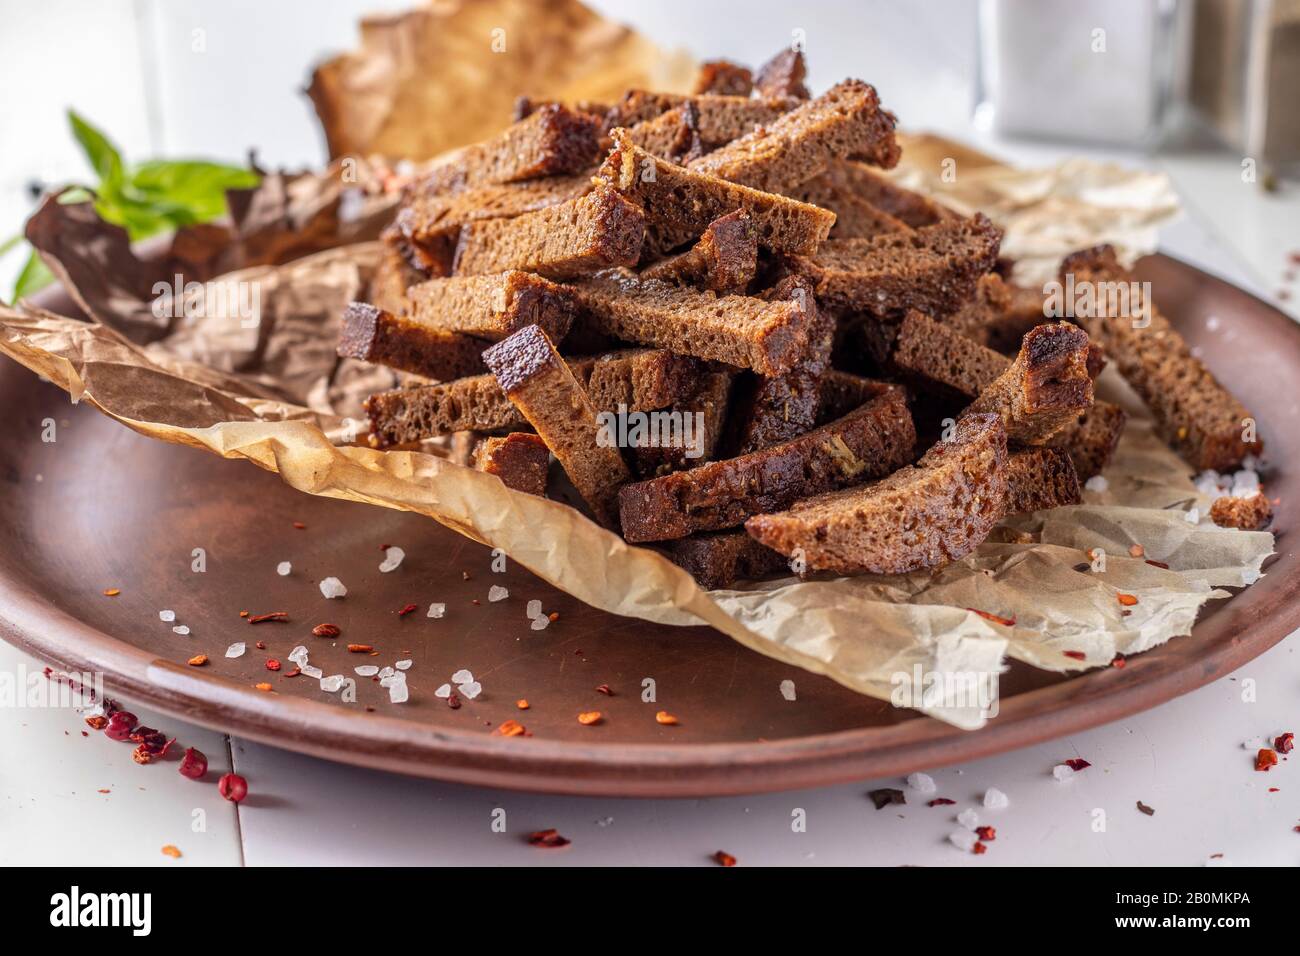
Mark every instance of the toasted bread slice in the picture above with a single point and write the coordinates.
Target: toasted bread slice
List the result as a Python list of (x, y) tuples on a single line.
[(373, 335), (855, 218), (921, 516), (711, 121), (866, 443), (845, 121), (721, 118), (519, 459), (542, 386), (719, 559), (841, 392), (706, 411), (393, 274), (1039, 479), (1092, 440), (724, 259), (1195, 414), (554, 140), (576, 238), (768, 337), (680, 203), (783, 75), (492, 306), (724, 78), (933, 269), (906, 205), (639, 379)]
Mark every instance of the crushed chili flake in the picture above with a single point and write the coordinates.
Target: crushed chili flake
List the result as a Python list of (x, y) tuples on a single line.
[(260, 645), (243, 614), (1265, 759), (1136, 550), (1077, 763), (262, 687), (589, 717), (272, 664), (103, 790), (665, 718), (1128, 600), (509, 728), (360, 648), (326, 630), (454, 702), (293, 673), (886, 796), (604, 689), (1075, 655), (1143, 808), (406, 610), (722, 858), (549, 839), (112, 592), (521, 703), (96, 722), (1119, 660), (299, 525), (198, 660), (979, 848), (277, 617), (1158, 564), (941, 802), (1274, 789), (1285, 743), (171, 851), (553, 616), (987, 834), (1005, 621)]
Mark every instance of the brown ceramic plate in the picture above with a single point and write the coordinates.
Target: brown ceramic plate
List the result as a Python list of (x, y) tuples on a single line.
[(102, 507)]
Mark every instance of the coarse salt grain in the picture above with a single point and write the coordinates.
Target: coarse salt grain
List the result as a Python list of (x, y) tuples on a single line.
[(180, 629), (392, 559), (1062, 772), (444, 691), (437, 610), (403, 665), (311, 670), (497, 593), (995, 799), (540, 623), (1212, 323), (963, 839), (333, 588), (332, 683), (921, 783), (236, 650), (969, 818), (298, 655), (471, 690), (167, 616), (787, 689), (1097, 483), (1193, 516), (366, 670), (534, 609), (399, 693), (462, 676), (386, 672), (283, 568)]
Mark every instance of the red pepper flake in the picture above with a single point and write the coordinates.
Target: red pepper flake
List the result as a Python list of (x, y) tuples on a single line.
[(1077, 763), (1265, 759), (299, 525), (522, 704), (1285, 743), (1136, 550), (509, 728), (171, 851), (1158, 564), (112, 592), (1118, 661), (1143, 808), (243, 614), (293, 673), (604, 689), (260, 645), (665, 718), (198, 660), (194, 764), (987, 834), (589, 717), (1004, 621), (553, 616), (723, 858), (360, 648), (278, 617), (264, 687), (407, 610), (548, 839), (941, 802), (233, 787), (1075, 655), (272, 664), (103, 790), (979, 848), (96, 722), (454, 701), (141, 755), (326, 630), (1128, 600), (1274, 789)]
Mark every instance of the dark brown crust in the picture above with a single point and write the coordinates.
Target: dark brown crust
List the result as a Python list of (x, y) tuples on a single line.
[(921, 516), (842, 392), (719, 119), (519, 459), (710, 402), (679, 203), (374, 335), (933, 270), (492, 306), (845, 121), (938, 358), (1248, 514), (724, 260), (1045, 389), (768, 337), (1039, 479), (599, 230), (553, 140), (723, 78), (867, 443), (905, 205), (642, 379), (1195, 414), (855, 218), (720, 559), (543, 388), (1092, 441), (783, 75), (393, 275)]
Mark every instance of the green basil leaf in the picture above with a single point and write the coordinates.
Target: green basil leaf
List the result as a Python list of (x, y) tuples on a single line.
[(34, 277), (102, 154)]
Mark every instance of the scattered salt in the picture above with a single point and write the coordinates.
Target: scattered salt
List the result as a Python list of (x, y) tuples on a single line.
[(332, 683), (1062, 771), (283, 568), (921, 783), (403, 665), (444, 691), (540, 623), (437, 610), (236, 650), (299, 655), (167, 616), (471, 690), (386, 673), (399, 693), (311, 670), (1212, 323), (534, 609), (180, 629), (392, 559), (1245, 484), (1193, 516), (497, 593), (969, 818), (462, 676), (333, 588), (367, 670), (1097, 483), (963, 839), (995, 799), (787, 689)]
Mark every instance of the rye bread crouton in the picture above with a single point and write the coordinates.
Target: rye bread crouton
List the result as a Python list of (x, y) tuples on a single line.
[(374, 335), (783, 75), (491, 306), (519, 459), (721, 558), (1039, 479), (723, 78), (1247, 514), (724, 259)]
